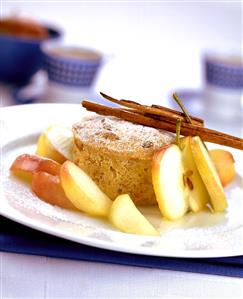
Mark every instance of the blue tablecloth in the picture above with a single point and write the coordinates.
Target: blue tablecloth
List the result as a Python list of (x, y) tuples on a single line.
[(17, 238)]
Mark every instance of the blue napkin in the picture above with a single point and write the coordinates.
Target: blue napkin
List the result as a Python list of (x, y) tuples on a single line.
[(17, 238)]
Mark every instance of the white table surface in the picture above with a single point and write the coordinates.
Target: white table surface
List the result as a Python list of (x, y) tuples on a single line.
[(26, 276)]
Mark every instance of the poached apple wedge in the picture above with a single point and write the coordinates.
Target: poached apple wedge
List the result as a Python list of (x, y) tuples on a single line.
[(25, 165), (56, 143), (82, 191), (48, 188), (198, 194), (167, 177), (208, 174), (225, 165), (126, 217)]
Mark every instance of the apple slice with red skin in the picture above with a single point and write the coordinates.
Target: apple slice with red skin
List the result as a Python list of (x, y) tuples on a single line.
[(25, 165), (48, 188)]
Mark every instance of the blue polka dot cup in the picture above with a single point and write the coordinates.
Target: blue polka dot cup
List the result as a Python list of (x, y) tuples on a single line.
[(71, 66)]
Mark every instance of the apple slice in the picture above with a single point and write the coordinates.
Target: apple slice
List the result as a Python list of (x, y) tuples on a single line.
[(25, 165), (126, 217), (48, 188), (208, 174), (198, 194), (56, 143), (225, 165), (82, 191), (167, 177)]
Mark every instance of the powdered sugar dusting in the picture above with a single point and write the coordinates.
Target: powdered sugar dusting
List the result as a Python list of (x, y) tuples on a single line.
[(20, 197), (121, 136)]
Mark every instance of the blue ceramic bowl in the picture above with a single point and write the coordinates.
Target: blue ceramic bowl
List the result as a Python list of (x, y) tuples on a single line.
[(72, 67), (20, 58)]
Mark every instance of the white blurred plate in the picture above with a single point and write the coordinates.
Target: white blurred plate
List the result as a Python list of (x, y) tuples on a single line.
[(195, 235)]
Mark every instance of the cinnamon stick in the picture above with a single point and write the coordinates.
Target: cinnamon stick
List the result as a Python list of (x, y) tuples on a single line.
[(155, 109), (186, 128)]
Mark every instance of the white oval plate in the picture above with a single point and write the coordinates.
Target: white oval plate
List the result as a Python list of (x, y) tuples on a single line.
[(195, 235)]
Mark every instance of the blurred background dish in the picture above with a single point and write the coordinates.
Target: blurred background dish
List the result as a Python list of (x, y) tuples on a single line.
[(223, 87), (71, 66), (71, 71), (20, 41), (157, 48), (23, 27), (219, 101)]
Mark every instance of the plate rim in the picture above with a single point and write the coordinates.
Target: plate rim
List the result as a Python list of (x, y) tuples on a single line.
[(86, 240)]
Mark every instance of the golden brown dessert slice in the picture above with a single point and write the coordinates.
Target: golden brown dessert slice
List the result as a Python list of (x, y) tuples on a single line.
[(117, 155)]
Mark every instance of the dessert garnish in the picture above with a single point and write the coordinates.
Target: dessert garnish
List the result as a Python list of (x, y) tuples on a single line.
[(163, 118), (156, 110)]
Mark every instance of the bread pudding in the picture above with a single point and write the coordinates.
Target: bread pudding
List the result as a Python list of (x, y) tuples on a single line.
[(117, 155)]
